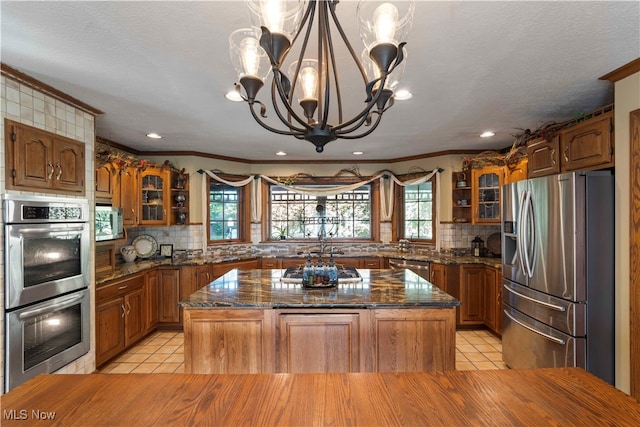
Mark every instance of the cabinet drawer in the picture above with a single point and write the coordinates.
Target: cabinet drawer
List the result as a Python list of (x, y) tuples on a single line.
[(371, 263), (270, 263), (119, 287)]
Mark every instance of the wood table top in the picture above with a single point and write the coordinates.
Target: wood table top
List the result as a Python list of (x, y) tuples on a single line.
[(562, 397)]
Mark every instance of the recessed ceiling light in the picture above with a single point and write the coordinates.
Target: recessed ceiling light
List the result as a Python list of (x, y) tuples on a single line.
[(358, 153), (234, 96), (402, 95), (154, 135), (281, 153), (487, 134)]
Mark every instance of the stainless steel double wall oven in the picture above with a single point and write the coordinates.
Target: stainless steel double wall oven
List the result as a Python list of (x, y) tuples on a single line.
[(46, 249)]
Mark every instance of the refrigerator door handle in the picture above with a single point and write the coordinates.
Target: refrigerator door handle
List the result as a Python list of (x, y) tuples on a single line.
[(546, 304), (531, 217), (520, 235), (535, 331)]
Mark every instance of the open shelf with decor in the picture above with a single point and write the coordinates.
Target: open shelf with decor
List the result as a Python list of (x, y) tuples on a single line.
[(461, 197), (179, 198)]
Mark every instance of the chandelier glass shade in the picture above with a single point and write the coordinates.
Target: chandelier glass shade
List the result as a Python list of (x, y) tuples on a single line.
[(305, 90)]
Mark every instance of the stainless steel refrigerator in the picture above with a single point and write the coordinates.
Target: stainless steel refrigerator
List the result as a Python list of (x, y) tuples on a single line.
[(558, 272)]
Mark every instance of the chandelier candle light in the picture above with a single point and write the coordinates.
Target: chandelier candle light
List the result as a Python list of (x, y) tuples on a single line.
[(278, 25)]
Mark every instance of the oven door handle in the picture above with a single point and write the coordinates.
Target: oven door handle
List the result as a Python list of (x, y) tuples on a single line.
[(65, 303), (55, 230)]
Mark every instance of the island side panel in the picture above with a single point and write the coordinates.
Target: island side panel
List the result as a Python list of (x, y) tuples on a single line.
[(415, 339), (229, 341), (323, 341)]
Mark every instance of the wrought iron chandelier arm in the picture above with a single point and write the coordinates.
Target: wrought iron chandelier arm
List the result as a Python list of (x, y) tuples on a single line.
[(332, 9), (267, 127), (325, 48), (276, 108), (277, 87), (369, 129), (364, 112)]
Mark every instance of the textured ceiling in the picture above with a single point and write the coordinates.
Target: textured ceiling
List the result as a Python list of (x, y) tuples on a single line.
[(472, 66)]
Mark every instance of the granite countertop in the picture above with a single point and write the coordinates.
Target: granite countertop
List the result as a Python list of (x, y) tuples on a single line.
[(126, 269), (265, 289)]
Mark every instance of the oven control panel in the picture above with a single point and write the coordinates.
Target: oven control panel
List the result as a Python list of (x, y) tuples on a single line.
[(44, 209)]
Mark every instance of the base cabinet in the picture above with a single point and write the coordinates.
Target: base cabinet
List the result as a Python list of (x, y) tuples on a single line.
[(318, 340), (472, 295), (168, 297), (120, 316)]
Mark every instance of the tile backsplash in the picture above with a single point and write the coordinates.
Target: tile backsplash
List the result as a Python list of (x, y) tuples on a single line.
[(192, 237)]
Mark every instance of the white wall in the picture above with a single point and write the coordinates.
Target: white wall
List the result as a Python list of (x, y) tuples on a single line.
[(22, 104), (627, 98)]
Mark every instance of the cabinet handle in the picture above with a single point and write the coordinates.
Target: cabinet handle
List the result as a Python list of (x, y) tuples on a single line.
[(553, 156), (123, 310), (128, 307), (59, 167), (566, 148), (208, 277), (123, 287), (51, 171)]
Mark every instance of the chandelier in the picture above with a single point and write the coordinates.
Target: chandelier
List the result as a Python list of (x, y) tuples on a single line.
[(278, 25)]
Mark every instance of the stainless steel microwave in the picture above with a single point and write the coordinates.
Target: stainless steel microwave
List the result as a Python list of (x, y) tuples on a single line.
[(108, 223)]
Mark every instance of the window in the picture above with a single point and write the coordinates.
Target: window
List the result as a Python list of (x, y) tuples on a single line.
[(418, 212), (298, 216), (226, 213)]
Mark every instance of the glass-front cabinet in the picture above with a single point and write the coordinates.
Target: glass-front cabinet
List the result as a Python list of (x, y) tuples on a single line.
[(154, 192), (486, 186)]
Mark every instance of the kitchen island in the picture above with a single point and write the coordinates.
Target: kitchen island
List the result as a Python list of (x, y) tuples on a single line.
[(537, 397), (258, 321)]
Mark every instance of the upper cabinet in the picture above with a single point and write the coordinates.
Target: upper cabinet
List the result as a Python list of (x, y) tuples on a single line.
[(544, 157), (38, 160), (588, 145), (485, 194), (153, 196), (105, 183)]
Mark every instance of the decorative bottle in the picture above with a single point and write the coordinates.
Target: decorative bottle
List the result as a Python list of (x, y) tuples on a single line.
[(332, 272), (307, 272), (319, 272)]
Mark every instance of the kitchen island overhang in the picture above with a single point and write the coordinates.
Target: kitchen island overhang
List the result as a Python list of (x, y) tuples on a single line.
[(251, 321)]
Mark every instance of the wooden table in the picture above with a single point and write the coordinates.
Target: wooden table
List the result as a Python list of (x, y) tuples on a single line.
[(568, 396)]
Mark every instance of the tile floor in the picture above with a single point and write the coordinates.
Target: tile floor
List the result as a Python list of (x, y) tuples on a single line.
[(163, 352)]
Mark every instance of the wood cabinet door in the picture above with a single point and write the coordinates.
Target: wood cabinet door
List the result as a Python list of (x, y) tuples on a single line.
[(30, 156), (543, 157), (472, 295), (105, 182), (517, 171), (225, 267), (229, 341), (588, 145), (128, 183), (485, 194), (491, 309), (110, 336), (168, 295), (68, 159), (203, 276), (153, 197), (409, 340), (320, 342), (151, 300), (134, 320), (438, 276), (499, 301)]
